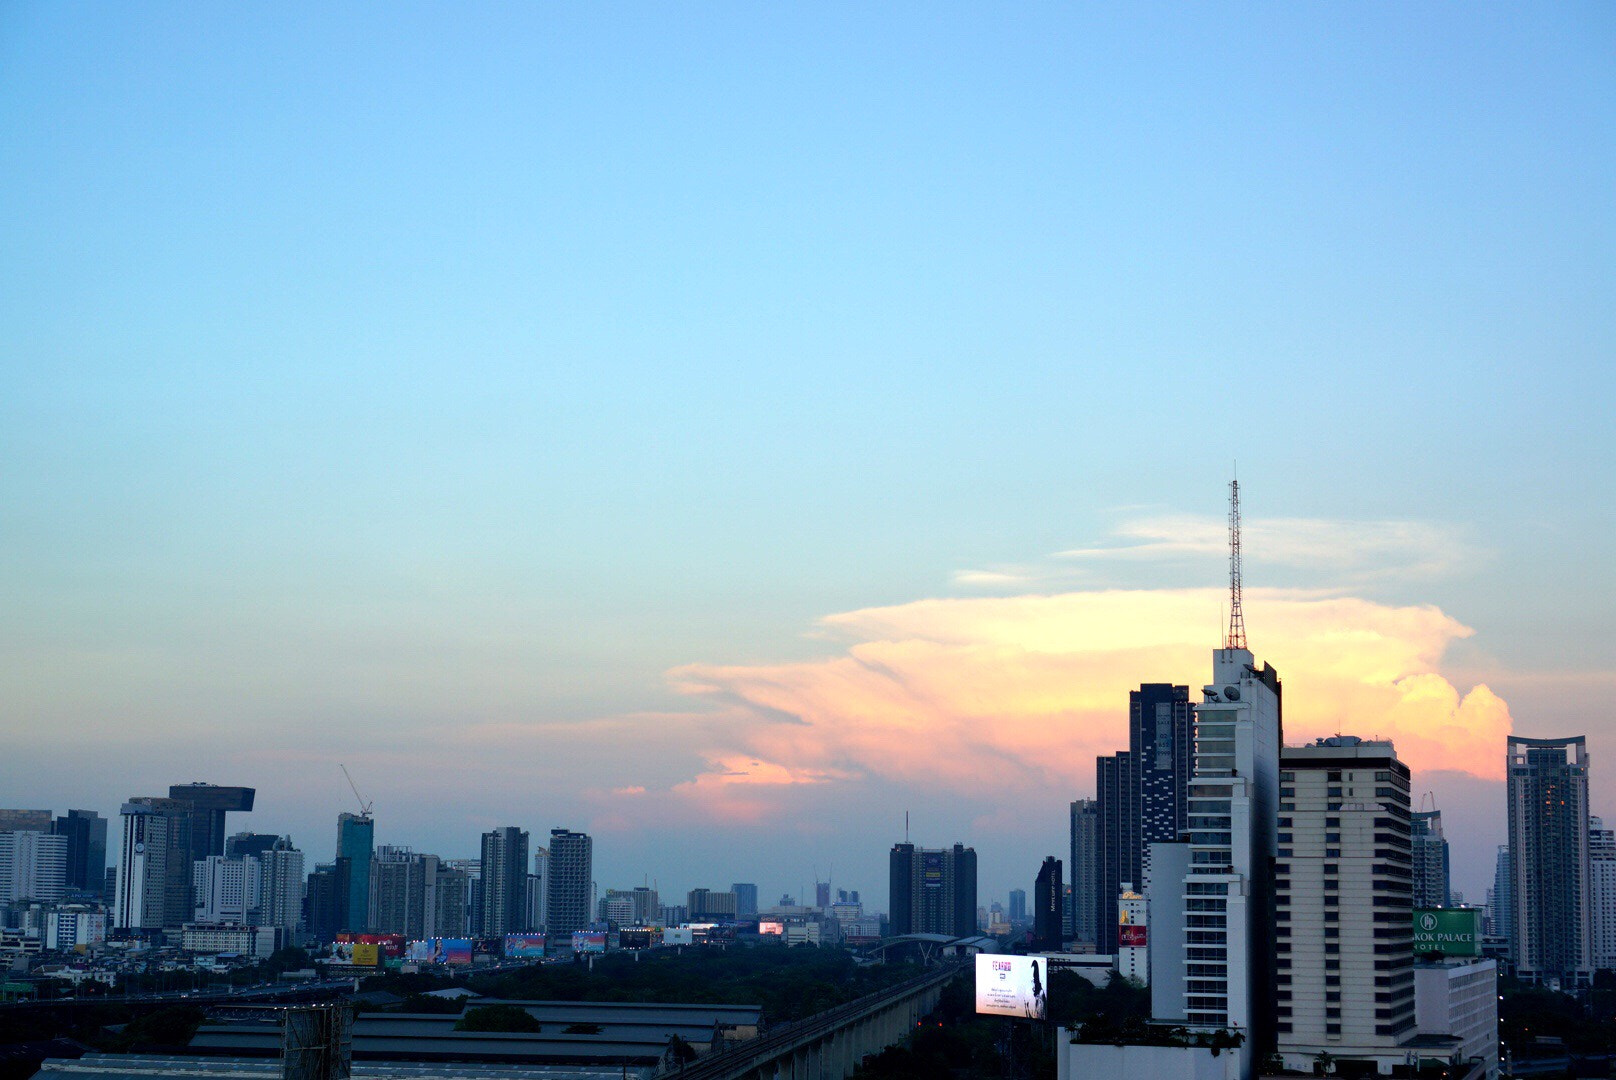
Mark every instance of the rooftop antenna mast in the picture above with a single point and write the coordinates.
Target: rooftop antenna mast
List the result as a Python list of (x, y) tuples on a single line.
[(1237, 619)]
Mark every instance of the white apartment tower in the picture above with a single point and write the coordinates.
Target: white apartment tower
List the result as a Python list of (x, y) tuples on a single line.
[(1210, 896), (1343, 915), (226, 889), (281, 891), (1602, 891), (141, 900), (33, 866)]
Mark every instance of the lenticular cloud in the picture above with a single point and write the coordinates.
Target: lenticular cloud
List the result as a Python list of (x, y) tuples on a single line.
[(1028, 689)]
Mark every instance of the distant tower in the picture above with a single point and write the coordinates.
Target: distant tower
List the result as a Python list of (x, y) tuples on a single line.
[(86, 833), (504, 882), (356, 842), (1047, 905), (933, 891), (1084, 869), (1548, 840), (746, 902), (571, 868), (154, 873), (1431, 868)]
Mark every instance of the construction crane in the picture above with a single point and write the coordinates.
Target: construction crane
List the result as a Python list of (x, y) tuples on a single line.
[(364, 807)]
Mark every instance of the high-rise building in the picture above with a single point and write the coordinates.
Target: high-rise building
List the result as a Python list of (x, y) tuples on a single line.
[(209, 805), (281, 891), (1431, 870), (822, 894), (328, 901), (571, 883), (1211, 896), (471, 879), (1503, 896), (746, 894), (86, 833), (154, 869), (226, 890), (1343, 915), (1142, 793), (1085, 873), (504, 882), (448, 898), (617, 908), (1161, 741), (647, 905), (538, 884), (356, 842), (1047, 892), (1602, 892), (1018, 905), (933, 890), (33, 866), (398, 892), (708, 906), (1116, 840), (1547, 782)]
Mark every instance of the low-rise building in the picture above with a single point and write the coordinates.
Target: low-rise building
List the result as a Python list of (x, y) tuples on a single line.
[(260, 941), (1459, 997)]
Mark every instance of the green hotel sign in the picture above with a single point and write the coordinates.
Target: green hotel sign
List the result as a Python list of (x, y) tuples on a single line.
[(1449, 931)]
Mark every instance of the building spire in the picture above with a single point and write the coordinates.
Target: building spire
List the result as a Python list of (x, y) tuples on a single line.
[(1237, 621)]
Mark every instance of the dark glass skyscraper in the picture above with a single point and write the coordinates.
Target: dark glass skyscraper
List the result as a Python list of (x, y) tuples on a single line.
[(86, 833), (356, 842), (504, 882), (1046, 917), (1083, 869), (1142, 795), (1552, 939)]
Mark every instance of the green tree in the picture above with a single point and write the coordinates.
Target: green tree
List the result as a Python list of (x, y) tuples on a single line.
[(497, 1018)]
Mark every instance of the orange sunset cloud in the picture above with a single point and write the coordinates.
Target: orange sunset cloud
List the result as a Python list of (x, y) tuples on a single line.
[(1028, 689)]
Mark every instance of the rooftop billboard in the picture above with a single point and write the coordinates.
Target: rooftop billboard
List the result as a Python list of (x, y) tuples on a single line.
[(524, 945), (1449, 931), (1012, 985)]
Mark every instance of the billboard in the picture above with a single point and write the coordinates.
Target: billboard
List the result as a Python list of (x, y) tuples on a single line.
[(365, 955), (678, 935), (524, 944), (771, 928), (588, 941), (448, 950), (1012, 985), (419, 951), (639, 937), (1449, 931), (1131, 936)]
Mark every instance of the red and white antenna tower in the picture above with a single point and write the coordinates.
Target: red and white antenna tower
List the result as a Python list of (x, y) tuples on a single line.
[(1237, 620)]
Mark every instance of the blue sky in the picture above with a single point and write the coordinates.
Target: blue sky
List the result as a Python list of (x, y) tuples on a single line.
[(374, 373)]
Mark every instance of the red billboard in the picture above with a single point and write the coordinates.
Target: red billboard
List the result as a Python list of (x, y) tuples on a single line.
[(1131, 936)]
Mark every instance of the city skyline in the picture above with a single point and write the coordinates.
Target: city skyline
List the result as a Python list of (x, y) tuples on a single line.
[(654, 425)]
